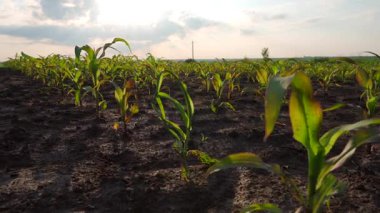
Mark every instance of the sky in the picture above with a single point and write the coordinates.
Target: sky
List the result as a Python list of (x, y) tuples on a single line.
[(166, 28)]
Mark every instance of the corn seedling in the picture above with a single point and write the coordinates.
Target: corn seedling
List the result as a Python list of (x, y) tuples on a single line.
[(77, 80), (369, 82), (205, 76), (306, 119), (127, 109), (93, 59), (232, 84), (180, 132), (219, 85)]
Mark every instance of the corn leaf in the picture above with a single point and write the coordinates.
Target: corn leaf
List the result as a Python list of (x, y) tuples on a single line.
[(119, 95), (108, 45), (334, 107), (329, 138), (134, 109), (305, 113), (360, 138), (264, 207), (203, 157), (188, 100), (378, 56), (329, 186), (363, 79), (185, 118), (274, 95), (244, 159)]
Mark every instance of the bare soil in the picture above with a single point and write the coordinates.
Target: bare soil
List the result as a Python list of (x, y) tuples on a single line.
[(55, 157)]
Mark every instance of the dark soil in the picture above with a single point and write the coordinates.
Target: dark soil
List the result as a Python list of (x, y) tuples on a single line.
[(55, 157)]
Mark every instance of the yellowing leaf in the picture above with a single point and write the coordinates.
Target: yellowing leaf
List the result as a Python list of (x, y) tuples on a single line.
[(305, 113), (273, 100), (116, 126), (363, 79), (129, 84), (134, 109)]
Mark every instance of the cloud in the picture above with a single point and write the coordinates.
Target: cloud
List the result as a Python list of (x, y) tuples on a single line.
[(73, 34), (247, 32), (79, 35), (67, 9), (68, 23), (265, 16), (196, 23), (279, 16), (313, 20)]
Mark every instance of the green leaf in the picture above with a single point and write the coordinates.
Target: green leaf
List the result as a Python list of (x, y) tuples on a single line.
[(90, 52), (159, 81), (134, 109), (378, 56), (305, 113), (334, 107), (261, 207), (175, 127), (160, 109), (360, 138), (77, 51), (371, 105), (180, 108), (329, 186), (213, 106), (228, 105), (244, 159), (203, 157), (119, 95), (262, 77), (326, 187), (346, 59), (329, 138), (103, 104), (363, 79), (188, 99), (274, 95), (77, 76), (77, 95), (108, 45)]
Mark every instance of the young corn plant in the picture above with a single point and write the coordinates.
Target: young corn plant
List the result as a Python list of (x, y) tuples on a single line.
[(369, 81), (205, 75), (326, 78), (77, 80), (180, 132), (219, 86), (92, 59), (232, 84), (371, 93), (262, 77), (306, 119), (127, 109)]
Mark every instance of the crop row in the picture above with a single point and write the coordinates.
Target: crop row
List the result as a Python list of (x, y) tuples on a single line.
[(91, 71)]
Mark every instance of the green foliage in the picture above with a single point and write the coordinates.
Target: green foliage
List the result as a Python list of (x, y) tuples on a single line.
[(219, 86), (369, 81), (306, 119), (180, 132), (93, 59), (127, 109)]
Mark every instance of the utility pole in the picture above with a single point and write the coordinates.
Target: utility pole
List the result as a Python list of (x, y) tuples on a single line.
[(192, 49)]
